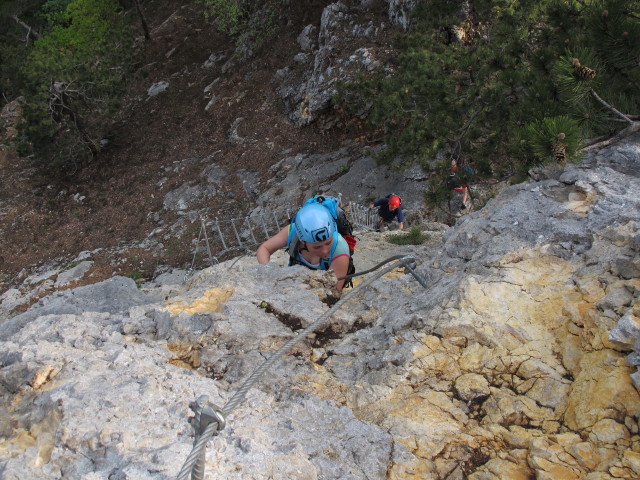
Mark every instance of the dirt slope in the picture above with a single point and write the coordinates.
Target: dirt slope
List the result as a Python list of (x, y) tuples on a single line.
[(111, 202)]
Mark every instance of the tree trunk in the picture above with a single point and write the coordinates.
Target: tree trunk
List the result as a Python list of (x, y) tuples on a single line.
[(142, 20)]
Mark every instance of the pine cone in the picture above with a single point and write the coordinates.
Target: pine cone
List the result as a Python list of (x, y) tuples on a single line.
[(582, 71), (586, 72), (559, 151)]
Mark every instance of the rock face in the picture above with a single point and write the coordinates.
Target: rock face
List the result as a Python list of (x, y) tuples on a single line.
[(345, 43), (349, 172), (517, 361)]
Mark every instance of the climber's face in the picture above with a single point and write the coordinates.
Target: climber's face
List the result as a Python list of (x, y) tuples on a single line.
[(320, 249)]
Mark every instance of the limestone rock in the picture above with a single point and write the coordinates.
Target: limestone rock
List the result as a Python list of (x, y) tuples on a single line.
[(522, 334)]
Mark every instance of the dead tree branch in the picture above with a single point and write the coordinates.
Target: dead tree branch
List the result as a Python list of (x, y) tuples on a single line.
[(631, 129), (30, 31), (611, 107), (60, 96)]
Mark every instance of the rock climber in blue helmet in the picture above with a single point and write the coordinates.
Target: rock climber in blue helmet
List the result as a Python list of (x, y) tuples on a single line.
[(312, 240)]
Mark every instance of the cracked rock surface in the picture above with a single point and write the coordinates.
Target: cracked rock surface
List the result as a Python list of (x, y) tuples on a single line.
[(517, 361)]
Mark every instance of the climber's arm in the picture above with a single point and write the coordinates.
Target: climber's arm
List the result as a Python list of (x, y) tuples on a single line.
[(340, 266), (272, 245)]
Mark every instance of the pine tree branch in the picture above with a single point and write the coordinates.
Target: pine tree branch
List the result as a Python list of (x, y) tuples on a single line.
[(634, 127), (613, 109), (458, 141)]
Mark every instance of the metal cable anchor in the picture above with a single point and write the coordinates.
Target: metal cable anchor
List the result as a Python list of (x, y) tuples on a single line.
[(207, 413), (410, 267), (208, 421)]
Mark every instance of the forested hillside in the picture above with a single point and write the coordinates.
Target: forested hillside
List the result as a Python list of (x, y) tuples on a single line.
[(111, 104)]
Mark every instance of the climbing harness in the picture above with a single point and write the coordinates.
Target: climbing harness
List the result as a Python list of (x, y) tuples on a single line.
[(210, 419)]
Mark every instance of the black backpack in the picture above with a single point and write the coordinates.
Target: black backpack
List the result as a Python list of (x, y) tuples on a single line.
[(452, 181), (346, 230), (467, 174)]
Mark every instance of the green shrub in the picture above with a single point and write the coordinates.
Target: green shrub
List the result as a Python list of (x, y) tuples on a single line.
[(251, 23), (414, 236), (138, 277)]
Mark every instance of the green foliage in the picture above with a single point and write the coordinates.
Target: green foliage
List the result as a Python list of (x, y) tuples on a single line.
[(497, 86), (615, 29), (227, 15), (572, 88), (16, 41), (414, 236), (11, 58), (344, 170), (72, 82), (437, 191), (261, 27), (542, 135), (53, 9), (252, 23), (135, 275)]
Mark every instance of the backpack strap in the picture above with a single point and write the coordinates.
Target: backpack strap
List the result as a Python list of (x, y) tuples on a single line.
[(334, 244)]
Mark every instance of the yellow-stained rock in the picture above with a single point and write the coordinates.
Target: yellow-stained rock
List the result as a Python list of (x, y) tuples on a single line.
[(609, 432), (41, 435), (586, 455), (506, 408), (210, 302), (621, 472), (603, 389), (417, 469), (45, 434), (519, 437), (43, 375), (547, 470), (632, 461), (503, 470)]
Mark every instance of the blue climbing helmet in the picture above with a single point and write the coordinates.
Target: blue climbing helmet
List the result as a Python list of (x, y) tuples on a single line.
[(314, 223)]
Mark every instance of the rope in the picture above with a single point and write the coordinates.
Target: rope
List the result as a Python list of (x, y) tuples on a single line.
[(199, 447)]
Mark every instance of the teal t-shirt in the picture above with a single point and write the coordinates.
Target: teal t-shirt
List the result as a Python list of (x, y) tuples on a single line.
[(342, 248)]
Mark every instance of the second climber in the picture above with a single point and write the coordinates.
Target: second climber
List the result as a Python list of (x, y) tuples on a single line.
[(389, 210)]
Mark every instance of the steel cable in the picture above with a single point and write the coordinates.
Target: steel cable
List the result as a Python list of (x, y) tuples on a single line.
[(239, 396), (384, 262)]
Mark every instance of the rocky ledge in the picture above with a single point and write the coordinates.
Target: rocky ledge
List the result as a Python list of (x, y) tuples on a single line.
[(518, 360)]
